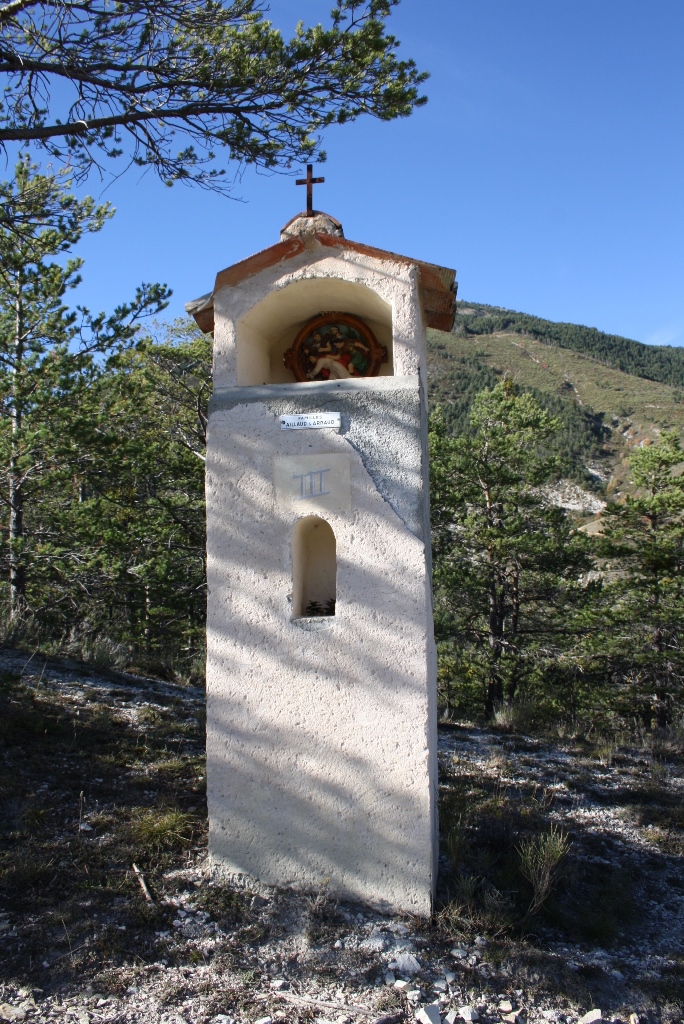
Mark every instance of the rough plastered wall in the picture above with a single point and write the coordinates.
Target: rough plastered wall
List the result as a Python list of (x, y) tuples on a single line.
[(321, 740)]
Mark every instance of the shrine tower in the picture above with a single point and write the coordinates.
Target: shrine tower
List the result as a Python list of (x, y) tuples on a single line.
[(321, 716)]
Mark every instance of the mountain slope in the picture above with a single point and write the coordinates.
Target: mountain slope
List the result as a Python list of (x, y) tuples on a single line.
[(654, 362), (605, 411)]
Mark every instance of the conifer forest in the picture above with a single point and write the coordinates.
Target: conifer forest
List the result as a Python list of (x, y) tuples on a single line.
[(547, 611)]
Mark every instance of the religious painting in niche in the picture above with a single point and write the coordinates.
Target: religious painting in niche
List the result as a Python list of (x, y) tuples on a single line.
[(335, 346)]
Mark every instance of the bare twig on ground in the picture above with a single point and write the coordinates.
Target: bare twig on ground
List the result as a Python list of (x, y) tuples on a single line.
[(143, 884), (340, 1007)]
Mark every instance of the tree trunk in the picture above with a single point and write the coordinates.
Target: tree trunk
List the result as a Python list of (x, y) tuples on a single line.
[(16, 494), (495, 683), (16, 533), (513, 635), (147, 633)]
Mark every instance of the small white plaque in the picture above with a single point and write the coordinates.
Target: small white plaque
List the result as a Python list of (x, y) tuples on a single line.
[(311, 421)]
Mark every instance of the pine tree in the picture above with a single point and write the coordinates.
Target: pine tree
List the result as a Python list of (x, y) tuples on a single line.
[(170, 84), (642, 551), (506, 560), (141, 525), (49, 357)]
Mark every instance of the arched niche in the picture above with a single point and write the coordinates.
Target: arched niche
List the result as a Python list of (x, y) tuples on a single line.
[(314, 568), (271, 326)]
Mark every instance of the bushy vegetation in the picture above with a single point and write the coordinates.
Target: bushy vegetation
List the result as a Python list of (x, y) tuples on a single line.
[(101, 450), (507, 563), (531, 613), (112, 549)]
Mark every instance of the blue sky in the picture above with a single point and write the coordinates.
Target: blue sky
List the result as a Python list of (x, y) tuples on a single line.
[(547, 168)]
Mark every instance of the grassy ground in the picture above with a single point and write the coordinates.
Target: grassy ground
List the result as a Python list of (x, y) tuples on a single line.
[(572, 846), (101, 771), (92, 782)]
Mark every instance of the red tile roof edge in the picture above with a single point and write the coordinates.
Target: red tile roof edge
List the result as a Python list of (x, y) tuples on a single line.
[(438, 284)]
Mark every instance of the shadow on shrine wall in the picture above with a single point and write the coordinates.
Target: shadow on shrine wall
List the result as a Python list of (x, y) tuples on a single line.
[(319, 745), (295, 813)]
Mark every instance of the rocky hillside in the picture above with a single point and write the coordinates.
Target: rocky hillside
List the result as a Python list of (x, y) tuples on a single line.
[(605, 410)]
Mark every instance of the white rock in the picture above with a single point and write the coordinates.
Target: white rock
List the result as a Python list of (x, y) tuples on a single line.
[(402, 986), (440, 986), (398, 928), (406, 963), (510, 1018), (468, 1013), (264, 1020), (8, 1012), (449, 976), (459, 953), (279, 984), (593, 1017), (222, 1018), (85, 827), (428, 1014), (390, 979), (375, 944), (414, 995), (452, 1016), (506, 1006)]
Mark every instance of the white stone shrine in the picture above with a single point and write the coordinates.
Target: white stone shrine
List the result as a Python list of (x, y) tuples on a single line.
[(321, 726)]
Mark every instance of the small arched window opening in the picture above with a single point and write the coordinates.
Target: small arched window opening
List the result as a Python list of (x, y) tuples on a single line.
[(314, 568)]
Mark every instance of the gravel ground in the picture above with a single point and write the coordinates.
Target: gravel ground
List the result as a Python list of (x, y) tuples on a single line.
[(100, 770)]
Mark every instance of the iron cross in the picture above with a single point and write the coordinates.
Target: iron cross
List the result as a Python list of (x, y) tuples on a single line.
[(309, 181)]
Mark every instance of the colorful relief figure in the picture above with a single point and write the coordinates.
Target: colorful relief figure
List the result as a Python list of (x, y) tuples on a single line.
[(334, 352)]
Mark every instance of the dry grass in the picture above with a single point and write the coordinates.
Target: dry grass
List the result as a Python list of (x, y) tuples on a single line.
[(549, 368), (89, 789), (540, 857), (118, 763), (506, 850)]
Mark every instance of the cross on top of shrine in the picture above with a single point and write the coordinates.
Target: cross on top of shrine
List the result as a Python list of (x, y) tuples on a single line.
[(309, 181)]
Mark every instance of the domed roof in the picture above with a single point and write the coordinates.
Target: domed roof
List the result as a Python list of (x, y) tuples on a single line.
[(316, 223)]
